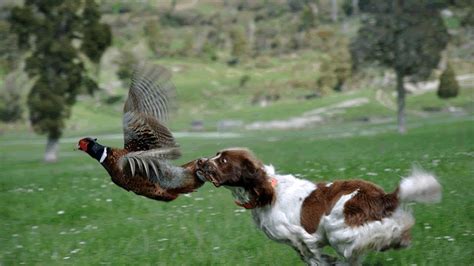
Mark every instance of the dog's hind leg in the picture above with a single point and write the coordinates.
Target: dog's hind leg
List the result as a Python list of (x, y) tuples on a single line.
[(309, 256), (355, 260)]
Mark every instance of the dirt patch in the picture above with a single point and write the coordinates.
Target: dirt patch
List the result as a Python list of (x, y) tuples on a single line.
[(309, 118)]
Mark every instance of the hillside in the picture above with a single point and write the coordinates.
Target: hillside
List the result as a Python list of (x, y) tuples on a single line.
[(272, 85)]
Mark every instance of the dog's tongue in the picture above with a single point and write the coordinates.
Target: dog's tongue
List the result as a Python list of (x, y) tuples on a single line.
[(216, 184), (246, 205)]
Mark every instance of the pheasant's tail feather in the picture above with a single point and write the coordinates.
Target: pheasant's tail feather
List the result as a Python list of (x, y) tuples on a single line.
[(154, 166)]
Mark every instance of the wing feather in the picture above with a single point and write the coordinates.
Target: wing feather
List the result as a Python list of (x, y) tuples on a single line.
[(151, 92), (149, 99)]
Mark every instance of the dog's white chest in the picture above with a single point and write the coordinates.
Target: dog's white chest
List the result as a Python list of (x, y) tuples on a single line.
[(281, 221)]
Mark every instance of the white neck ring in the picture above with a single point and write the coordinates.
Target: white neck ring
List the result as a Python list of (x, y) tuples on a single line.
[(104, 155)]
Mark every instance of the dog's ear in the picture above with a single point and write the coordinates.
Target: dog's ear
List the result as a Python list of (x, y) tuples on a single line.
[(257, 182), (250, 170)]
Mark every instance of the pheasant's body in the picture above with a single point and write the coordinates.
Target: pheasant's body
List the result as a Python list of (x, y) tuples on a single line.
[(143, 165), (139, 185)]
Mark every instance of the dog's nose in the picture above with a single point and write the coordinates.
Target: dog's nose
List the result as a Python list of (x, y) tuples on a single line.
[(201, 161)]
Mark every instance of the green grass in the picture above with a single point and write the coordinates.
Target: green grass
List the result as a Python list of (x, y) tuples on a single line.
[(70, 212)]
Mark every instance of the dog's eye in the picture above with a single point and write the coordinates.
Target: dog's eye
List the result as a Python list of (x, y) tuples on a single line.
[(223, 160)]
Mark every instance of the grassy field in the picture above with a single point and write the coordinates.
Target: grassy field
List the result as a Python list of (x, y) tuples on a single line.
[(71, 213)]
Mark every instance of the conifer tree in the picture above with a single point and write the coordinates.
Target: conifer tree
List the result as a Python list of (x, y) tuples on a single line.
[(448, 85), (55, 32)]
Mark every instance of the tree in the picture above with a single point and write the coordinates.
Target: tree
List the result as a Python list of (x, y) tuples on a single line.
[(355, 7), (334, 10), (448, 85), (407, 36), (55, 32), (96, 36), (351, 7)]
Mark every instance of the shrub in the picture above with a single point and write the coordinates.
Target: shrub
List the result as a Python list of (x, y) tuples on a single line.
[(335, 69), (448, 85), (308, 19), (9, 53), (239, 42), (126, 63), (244, 79), (11, 108), (156, 38)]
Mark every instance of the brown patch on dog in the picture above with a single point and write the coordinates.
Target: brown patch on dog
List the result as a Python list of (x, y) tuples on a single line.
[(370, 203)]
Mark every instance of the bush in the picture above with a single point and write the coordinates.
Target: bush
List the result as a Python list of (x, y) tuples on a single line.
[(156, 38), (126, 63), (9, 53), (181, 18), (239, 43), (308, 19), (244, 79), (335, 69), (11, 108), (448, 85)]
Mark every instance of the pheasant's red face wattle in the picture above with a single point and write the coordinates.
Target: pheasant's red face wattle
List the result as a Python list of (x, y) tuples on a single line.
[(83, 144)]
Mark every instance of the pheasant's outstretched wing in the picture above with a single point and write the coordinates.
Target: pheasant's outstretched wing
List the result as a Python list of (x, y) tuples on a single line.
[(146, 108)]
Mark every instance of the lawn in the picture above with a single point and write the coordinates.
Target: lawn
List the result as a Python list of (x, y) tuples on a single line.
[(71, 213)]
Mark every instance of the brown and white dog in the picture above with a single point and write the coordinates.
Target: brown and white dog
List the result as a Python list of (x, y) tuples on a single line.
[(352, 216)]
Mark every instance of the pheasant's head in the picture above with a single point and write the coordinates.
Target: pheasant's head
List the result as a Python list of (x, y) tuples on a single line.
[(86, 144), (94, 149)]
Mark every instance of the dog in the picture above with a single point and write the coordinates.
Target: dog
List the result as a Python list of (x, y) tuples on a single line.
[(352, 216)]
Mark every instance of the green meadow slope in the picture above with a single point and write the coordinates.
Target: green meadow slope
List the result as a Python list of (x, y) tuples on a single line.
[(70, 212)]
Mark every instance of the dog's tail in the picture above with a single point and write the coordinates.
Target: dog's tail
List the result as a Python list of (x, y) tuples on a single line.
[(419, 186)]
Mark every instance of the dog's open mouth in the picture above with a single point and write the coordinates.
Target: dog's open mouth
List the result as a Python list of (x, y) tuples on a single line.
[(206, 176)]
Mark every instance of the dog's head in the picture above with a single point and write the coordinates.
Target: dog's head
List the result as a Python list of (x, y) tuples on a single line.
[(238, 167), (235, 167)]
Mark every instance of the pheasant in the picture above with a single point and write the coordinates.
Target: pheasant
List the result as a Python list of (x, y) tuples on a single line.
[(143, 165)]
